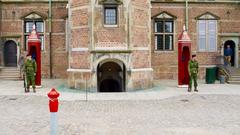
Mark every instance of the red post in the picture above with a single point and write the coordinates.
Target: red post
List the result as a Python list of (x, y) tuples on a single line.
[(53, 107), (53, 100)]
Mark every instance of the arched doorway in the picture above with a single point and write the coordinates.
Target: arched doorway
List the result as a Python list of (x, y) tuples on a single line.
[(111, 77), (232, 46), (10, 54)]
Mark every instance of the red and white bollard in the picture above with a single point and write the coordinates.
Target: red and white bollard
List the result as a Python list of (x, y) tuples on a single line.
[(53, 107)]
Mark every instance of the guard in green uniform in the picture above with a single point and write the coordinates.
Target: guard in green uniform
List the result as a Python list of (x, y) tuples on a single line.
[(193, 72), (30, 67)]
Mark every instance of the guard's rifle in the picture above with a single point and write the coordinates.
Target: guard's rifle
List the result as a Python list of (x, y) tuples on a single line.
[(25, 81)]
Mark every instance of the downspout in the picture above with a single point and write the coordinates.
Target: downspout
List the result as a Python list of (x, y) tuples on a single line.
[(69, 34), (128, 24), (186, 15), (50, 36)]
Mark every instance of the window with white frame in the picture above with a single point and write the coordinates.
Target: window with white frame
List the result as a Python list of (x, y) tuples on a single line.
[(164, 32), (207, 33), (29, 21)]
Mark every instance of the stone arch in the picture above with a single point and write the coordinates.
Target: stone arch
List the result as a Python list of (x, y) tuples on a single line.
[(113, 58), (111, 76)]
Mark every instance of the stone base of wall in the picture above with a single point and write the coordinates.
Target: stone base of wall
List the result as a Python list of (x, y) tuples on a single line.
[(140, 80), (79, 80), (162, 72), (134, 80)]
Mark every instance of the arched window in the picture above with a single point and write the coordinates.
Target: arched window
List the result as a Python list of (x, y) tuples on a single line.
[(164, 32), (207, 32), (29, 21)]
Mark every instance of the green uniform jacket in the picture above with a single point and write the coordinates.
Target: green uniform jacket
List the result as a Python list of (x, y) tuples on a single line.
[(193, 67), (30, 67)]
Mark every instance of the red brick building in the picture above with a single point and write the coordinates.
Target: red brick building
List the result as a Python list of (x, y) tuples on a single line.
[(110, 46), (211, 25), (17, 18), (118, 45)]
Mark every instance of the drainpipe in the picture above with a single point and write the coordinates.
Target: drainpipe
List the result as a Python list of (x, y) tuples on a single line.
[(128, 24), (69, 34), (186, 15), (50, 36)]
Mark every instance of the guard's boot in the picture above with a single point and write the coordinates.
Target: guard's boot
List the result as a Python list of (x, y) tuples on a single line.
[(189, 89), (34, 89), (27, 90), (195, 90)]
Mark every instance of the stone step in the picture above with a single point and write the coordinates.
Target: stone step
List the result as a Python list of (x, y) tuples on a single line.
[(234, 82), (235, 76), (234, 79), (10, 73), (10, 78), (9, 69)]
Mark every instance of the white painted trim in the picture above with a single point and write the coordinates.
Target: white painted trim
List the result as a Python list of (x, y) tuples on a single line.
[(79, 8), (36, 40), (185, 41), (229, 34), (79, 27), (110, 26), (159, 51), (78, 70), (207, 66), (79, 49), (182, 86), (141, 69)]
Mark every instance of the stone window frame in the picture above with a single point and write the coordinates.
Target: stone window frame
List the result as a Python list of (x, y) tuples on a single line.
[(34, 17), (115, 7), (111, 4), (207, 18), (164, 17)]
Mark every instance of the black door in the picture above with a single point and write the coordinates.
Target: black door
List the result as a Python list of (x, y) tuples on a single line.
[(10, 54)]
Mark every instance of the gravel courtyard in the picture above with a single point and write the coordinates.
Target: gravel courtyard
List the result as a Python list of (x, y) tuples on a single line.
[(192, 114)]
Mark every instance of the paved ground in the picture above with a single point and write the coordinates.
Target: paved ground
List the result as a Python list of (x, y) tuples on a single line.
[(163, 110)]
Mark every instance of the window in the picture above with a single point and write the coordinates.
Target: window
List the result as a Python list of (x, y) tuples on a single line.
[(28, 25), (207, 32), (110, 15), (207, 35), (164, 35)]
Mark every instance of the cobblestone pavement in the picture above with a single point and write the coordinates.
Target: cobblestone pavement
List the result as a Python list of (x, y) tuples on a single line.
[(192, 114)]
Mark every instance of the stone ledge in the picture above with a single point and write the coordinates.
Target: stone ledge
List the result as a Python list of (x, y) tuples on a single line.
[(111, 51)]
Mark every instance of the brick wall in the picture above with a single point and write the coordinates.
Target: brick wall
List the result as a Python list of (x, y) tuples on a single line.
[(107, 36), (140, 33), (165, 63), (12, 22)]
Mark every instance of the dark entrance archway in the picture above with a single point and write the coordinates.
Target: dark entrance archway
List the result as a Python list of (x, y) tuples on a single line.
[(232, 46), (111, 77), (10, 54)]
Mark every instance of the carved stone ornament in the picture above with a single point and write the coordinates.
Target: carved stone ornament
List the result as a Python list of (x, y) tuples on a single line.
[(110, 2)]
